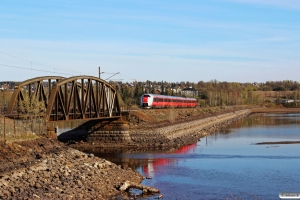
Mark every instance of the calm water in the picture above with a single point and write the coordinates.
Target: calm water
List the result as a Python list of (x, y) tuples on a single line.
[(226, 164)]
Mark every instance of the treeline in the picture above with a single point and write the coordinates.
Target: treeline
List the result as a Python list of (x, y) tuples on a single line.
[(212, 93), (286, 85)]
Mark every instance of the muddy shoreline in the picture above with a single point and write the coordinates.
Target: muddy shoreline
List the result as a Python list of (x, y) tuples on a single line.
[(276, 110), (281, 142)]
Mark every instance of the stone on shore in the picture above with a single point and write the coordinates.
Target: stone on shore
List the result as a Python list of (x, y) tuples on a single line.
[(52, 170)]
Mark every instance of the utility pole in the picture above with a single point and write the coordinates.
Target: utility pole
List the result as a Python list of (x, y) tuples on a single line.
[(99, 73)]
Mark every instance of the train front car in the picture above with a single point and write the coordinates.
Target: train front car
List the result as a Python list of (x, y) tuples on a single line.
[(146, 101), (163, 101)]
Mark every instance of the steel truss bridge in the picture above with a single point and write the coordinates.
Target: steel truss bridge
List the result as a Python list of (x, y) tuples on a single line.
[(78, 97)]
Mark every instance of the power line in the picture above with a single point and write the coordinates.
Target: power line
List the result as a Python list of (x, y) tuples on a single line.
[(31, 62), (125, 77), (39, 70), (54, 68), (113, 75), (107, 73), (35, 69)]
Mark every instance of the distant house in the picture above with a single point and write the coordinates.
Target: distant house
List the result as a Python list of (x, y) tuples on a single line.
[(176, 90), (285, 101), (157, 91), (189, 92)]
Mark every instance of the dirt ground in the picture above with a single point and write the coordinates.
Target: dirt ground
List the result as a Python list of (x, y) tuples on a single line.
[(44, 168)]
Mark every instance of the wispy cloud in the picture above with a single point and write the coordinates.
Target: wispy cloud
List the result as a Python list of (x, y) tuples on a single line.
[(276, 39), (220, 60), (288, 4)]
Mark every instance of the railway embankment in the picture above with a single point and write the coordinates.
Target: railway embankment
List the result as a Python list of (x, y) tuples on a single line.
[(174, 128), (166, 129), (183, 133)]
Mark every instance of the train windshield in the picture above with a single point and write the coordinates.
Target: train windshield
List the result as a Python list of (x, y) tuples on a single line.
[(145, 98)]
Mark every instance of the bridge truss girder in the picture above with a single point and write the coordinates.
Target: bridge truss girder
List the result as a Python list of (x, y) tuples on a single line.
[(38, 88), (82, 97)]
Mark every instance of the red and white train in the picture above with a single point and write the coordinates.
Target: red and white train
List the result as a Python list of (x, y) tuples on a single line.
[(163, 101)]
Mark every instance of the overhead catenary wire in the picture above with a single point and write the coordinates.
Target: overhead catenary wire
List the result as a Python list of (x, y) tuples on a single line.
[(31, 62), (33, 69), (125, 77), (54, 70), (113, 75)]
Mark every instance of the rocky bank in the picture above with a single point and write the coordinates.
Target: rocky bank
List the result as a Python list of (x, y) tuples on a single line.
[(47, 169), (186, 132)]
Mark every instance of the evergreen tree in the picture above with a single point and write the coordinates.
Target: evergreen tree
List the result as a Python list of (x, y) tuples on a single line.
[(162, 88)]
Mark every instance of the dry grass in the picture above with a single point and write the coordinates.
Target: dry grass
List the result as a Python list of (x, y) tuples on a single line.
[(272, 95), (12, 129)]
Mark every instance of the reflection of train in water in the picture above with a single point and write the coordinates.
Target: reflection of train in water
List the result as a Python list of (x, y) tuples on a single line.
[(163, 101), (153, 165)]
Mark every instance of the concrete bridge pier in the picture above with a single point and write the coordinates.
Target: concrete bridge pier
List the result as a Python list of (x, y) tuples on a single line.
[(109, 132), (51, 133), (114, 130)]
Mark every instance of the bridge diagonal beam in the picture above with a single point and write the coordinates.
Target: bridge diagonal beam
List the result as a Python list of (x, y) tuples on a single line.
[(68, 100), (61, 102), (86, 97), (93, 100)]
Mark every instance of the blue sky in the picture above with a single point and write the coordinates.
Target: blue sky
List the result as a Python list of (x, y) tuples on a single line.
[(227, 40)]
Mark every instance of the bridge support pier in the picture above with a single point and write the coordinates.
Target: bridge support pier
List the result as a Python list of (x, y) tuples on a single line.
[(109, 132), (51, 133)]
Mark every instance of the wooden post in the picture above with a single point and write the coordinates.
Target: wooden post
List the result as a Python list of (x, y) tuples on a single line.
[(25, 127), (31, 125), (4, 128), (15, 126)]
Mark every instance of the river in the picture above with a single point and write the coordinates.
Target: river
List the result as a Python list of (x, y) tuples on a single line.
[(227, 164)]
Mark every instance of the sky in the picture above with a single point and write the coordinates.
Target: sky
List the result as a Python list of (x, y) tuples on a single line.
[(157, 40)]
